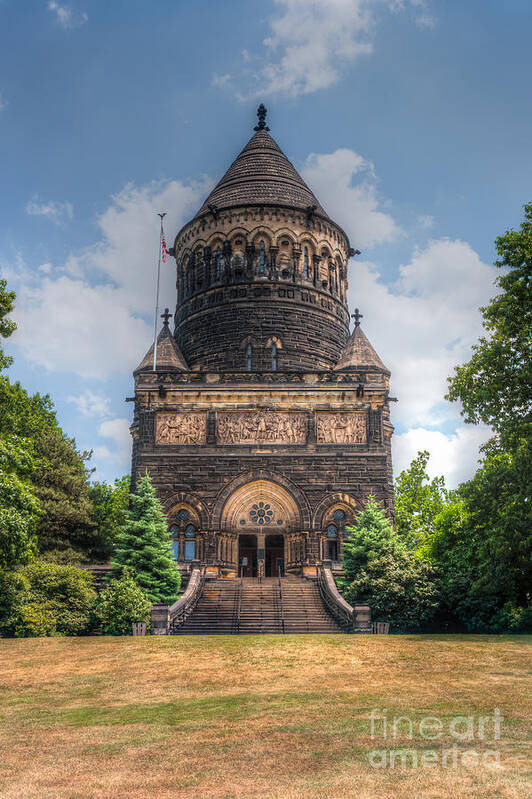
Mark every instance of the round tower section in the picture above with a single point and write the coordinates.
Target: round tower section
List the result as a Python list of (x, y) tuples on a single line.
[(261, 271)]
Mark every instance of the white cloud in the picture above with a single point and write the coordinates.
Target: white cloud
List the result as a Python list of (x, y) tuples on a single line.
[(90, 403), (95, 316), (455, 455), (426, 21), (310, 44), (425, 323), (84, 329), (355, 206), (66, 17), (426, 221), (56, 212), (221, 81), (117, 430)]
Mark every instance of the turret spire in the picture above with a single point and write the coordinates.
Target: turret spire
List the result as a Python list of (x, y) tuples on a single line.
[(357, 317), (261, 113)]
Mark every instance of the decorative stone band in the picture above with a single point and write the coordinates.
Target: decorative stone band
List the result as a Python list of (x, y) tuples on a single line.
[(261, 427)]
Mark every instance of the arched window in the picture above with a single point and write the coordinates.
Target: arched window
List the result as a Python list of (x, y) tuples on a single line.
[(274, 356), (248, 357), (190, 542), (218, 256), (306, 263), (262, 258), (332, 542), (174, 543)]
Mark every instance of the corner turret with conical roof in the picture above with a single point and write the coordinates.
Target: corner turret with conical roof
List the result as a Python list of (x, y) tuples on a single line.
[(168, 357), (358, 354)]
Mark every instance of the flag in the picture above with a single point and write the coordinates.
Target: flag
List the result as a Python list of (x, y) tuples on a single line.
[(163, 248)]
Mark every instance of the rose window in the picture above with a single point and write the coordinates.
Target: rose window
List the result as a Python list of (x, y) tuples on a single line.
[(261, 513)]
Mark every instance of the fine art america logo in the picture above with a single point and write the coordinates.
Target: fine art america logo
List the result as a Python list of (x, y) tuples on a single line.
[(459, 741)]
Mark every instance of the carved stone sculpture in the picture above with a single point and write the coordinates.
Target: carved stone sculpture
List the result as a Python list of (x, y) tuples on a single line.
[(341, 428), (258, 427), (181, 428)]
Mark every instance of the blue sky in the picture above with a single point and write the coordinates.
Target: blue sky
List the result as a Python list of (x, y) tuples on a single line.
[(410, 120)]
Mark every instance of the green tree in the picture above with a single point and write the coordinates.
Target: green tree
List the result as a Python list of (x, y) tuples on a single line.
[(121, 603), (66, 593), (495, 387), (418, 500), (20, 509), (109, 510), (7, 326), (143, 546), (66, 532), (59, 476), (367, 538), (399, 588)]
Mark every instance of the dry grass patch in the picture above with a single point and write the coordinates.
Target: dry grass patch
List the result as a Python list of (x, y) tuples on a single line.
[(250, 716)]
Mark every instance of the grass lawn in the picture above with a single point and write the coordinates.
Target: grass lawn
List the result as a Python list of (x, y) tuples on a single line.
[(268, 716)]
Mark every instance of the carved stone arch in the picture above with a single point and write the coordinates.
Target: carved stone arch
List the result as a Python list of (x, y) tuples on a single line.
[(238, 233), (323, 244), (307, 241), (261, 233), (249, 340), (330, 502), (216, 240), (285, 233), (260, 477), (184, 498), (275, 340)]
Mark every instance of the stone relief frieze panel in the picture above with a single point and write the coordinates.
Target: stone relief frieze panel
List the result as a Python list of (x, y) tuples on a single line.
[(181, 428), (261, 427), (349, 427)]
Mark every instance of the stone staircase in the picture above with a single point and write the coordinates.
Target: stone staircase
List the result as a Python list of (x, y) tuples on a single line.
[(261, 608)]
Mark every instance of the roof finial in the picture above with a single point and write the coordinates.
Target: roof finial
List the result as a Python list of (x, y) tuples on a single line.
[(166, 316), (261, 113), (357, 317)]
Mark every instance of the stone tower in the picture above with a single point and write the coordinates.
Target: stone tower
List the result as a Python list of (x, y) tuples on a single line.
[(265, 426)]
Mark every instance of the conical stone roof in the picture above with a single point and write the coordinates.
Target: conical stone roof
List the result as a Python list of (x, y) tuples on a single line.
[(169, 356), (261, 175), (359, 355)]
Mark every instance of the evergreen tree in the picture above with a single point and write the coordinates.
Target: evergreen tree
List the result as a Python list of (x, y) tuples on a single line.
[(371, 532), (143, 546)]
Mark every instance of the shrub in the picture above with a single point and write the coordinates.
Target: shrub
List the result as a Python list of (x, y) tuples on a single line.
[(66, 591), (399, 588), (121, 603), (36, 620), (13, 588), (512, 619)]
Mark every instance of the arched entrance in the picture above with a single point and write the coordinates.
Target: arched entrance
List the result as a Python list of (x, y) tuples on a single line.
[(262, 514)]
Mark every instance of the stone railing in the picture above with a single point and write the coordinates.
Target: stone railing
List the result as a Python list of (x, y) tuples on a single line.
[(355, 619), (166, 618)]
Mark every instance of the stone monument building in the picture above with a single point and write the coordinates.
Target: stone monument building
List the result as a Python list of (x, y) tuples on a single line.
[(265, 426)]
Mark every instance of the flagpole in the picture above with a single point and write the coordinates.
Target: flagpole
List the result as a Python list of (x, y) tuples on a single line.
[(157, 293)]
